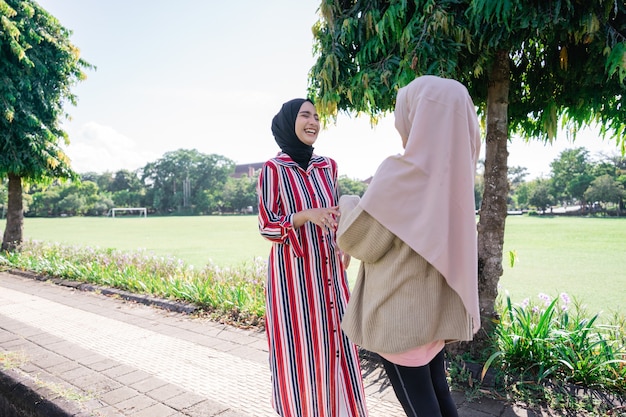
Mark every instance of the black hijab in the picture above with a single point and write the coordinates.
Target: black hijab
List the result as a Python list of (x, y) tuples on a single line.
[(284, 130)]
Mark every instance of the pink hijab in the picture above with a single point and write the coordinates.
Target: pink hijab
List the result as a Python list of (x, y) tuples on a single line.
[(426, 196)]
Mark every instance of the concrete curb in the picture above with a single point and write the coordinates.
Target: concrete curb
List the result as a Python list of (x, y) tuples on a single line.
[(170, 305), (20, 396)]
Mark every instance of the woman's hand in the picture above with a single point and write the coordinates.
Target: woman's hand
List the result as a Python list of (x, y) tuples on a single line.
[(323, 217), (346, 259)]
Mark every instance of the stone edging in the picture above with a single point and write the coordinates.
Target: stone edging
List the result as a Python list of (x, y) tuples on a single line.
[(165, 304), (21, 396)]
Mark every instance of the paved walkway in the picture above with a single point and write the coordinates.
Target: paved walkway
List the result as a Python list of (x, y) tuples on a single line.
[(88, 354)]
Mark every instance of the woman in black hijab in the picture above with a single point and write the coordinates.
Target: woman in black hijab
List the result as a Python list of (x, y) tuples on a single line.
[(315, 368), (283, 128)]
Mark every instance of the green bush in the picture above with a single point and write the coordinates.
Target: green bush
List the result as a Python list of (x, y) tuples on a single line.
[(229, 293), (556, 340)]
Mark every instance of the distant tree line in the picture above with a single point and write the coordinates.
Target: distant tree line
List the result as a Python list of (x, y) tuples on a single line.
[(182, 182), (574, 180), (188, 182)]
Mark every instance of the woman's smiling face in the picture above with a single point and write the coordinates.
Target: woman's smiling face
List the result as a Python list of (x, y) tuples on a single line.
[(307, 123)]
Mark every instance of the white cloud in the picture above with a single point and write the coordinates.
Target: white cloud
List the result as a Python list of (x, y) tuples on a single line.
[(98, 148)]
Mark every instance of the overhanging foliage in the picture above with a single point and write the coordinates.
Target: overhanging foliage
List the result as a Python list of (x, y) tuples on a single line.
[(567, 58)]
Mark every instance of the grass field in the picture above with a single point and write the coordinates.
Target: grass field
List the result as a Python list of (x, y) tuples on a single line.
[(197, 240), (585, 258)]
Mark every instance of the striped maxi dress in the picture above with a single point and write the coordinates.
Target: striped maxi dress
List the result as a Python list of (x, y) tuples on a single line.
[(315, 368)]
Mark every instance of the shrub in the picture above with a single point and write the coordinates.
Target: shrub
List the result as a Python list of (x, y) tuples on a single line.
[(230, 293), (554, 339)]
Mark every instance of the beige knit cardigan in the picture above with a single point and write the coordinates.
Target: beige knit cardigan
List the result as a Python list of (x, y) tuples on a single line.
[(399, 301)]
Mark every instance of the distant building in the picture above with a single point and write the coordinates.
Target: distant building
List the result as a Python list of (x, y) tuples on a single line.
[(247, 169), (251, 169)]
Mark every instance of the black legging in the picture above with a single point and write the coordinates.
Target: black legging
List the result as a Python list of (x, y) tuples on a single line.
[(422, 390)]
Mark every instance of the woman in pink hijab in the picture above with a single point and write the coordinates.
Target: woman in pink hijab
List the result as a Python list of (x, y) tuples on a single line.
[(414, 231)]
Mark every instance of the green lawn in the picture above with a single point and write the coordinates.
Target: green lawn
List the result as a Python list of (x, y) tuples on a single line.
[(197, 240), (585, 258)]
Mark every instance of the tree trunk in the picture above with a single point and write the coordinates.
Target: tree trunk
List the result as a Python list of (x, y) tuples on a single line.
[(493, 208), (15, 215)]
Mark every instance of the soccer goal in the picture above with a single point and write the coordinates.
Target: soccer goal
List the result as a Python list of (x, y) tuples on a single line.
[(142, 211)]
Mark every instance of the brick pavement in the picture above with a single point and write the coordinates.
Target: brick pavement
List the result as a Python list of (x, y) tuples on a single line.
[(69, 352)]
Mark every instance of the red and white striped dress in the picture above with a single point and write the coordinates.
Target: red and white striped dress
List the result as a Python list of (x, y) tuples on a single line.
[(315, 368)]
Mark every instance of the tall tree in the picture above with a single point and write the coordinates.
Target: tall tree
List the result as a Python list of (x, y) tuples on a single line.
[(516, 177), (240, 193), (125, 180), (605, 189), (180, 179), (571, 176), (527, 65), (351, 186), (38, 66), (540, 194)]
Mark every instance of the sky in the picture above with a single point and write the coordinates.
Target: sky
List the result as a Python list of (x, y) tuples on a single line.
[(210, 75)]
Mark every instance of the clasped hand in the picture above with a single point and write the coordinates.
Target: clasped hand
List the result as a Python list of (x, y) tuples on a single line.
[(325, 217)]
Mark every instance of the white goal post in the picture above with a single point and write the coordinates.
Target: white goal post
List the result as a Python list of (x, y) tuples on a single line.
[(142, 210)]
